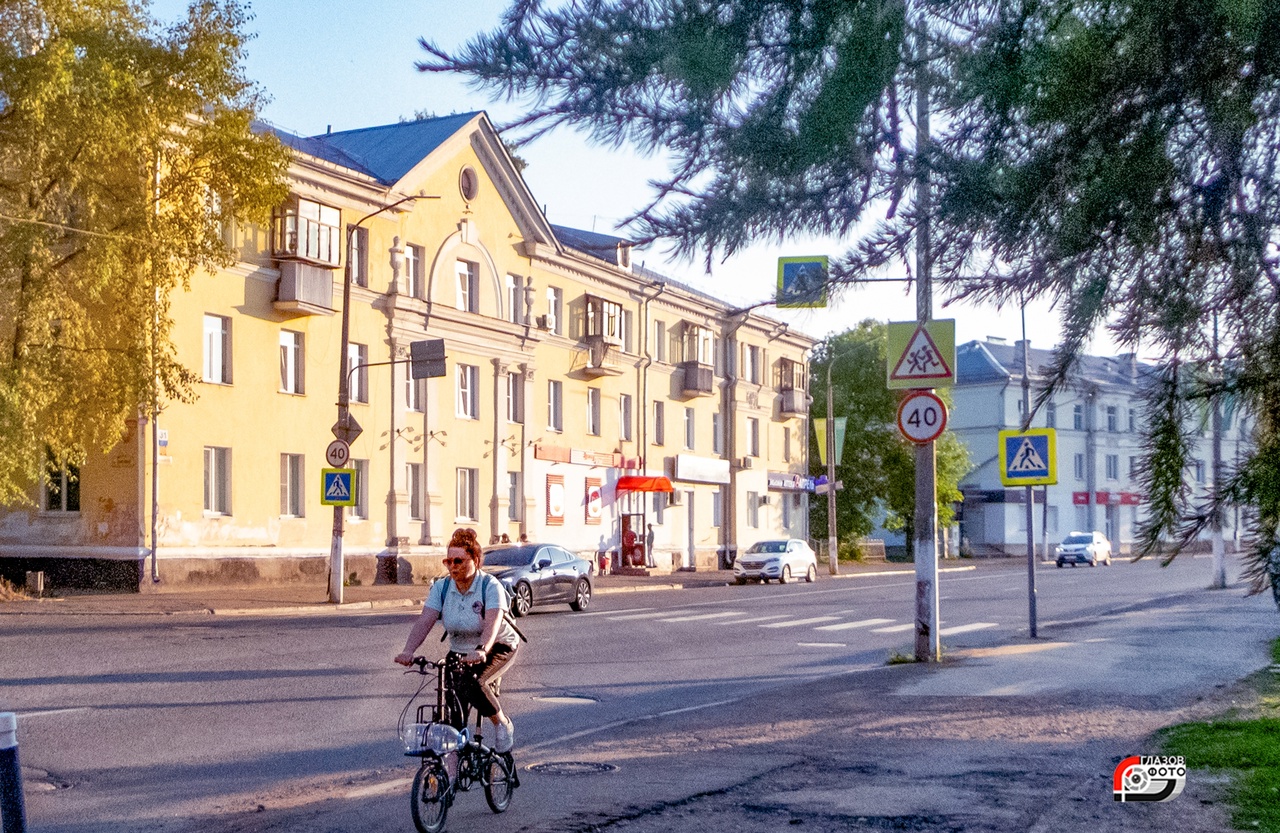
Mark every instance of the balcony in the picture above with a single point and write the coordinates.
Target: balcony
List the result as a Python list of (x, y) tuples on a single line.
[(795, 402), (699, 379), (603, 357), (304, 289)]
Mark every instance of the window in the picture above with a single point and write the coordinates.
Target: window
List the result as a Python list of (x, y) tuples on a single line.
[(358, 372), (468, 498), (217, 480), (1113, 418), (1077, 417), (555, 310), (413, 485), (413, 393), (753, 436), (1133, 420), (628, 325), (515, 299), (1050, 415), (717, 433), (359, 256), (308, 230), (290, 362), (217, 349), (555, 405), (1079, 467), (467, 398), (515, 397), (513, 495), (753, 510), (750, 363), (468, 290), (659, 341), (1198, 469), (624, 417), (690, 436), (698, 345), (786, 443), (717, 507), (1133, 467), (659, 423), (1113, 466), (62, 487), (791, 375), (291, 485), (414, 280), (361, 509), (604, 319), (593, 411)]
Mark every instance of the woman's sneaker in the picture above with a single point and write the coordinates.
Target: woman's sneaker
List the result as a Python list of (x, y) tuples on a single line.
[(504, 737)]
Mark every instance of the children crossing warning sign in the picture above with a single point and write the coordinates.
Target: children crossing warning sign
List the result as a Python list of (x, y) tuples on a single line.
[(338, 487), (1028, 458), (921, 354)]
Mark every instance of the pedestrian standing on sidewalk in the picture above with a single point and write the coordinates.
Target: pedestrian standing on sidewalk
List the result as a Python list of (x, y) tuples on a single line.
[(648, 547), (472, 606)]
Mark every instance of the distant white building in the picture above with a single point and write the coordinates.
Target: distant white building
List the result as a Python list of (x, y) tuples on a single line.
[(1098, 420)]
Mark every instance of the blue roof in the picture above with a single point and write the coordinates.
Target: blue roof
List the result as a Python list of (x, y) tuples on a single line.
[(385, 153)]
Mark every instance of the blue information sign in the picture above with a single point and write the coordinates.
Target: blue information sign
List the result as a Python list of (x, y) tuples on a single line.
[(338, 487), (1028, 458)]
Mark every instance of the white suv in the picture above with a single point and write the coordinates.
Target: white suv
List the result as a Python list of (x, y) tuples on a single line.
[(1089, 548), (783, 559)]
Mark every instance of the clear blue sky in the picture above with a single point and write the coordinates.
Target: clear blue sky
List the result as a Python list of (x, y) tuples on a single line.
[(347, 65)]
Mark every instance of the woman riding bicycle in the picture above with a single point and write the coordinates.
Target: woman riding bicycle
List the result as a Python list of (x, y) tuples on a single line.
[(471, 604)]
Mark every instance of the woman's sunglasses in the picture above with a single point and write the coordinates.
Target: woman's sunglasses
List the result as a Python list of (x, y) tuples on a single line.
[(454, 561)]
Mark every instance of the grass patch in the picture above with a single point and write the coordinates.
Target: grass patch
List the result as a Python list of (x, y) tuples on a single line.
[(1246, 746), (10, 593)]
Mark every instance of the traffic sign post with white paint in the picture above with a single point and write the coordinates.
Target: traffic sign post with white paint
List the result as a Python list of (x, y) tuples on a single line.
[(922, 416)]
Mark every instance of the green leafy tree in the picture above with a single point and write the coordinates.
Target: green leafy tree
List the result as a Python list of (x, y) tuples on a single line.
[(1119, 160), (125, 149), (877, 464)]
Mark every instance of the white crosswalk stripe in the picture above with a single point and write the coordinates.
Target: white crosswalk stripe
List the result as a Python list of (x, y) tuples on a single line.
[(845, 626), (754, 619), (976, 626), (795, 623), (695, 617), (894, 628)]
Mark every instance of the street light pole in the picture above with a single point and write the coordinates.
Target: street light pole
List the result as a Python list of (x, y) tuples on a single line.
[(346, 428)]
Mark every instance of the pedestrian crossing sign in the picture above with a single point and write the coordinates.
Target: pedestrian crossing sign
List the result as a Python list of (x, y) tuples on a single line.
[(338, 487), (1029, 458)]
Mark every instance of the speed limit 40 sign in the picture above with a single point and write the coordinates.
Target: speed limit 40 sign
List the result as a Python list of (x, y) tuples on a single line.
[(922, 417)]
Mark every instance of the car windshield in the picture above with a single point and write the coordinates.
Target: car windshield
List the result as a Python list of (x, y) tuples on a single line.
[(1078, 539), (509, 556), (769, 546)]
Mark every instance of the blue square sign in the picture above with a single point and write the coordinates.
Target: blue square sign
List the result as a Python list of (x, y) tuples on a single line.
[(338, 487), (1028, 458)]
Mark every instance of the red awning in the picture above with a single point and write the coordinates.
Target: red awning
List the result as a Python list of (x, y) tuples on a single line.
[(636, 483)]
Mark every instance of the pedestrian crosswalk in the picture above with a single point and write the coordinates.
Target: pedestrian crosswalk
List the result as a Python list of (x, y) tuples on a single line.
[(834, 624)]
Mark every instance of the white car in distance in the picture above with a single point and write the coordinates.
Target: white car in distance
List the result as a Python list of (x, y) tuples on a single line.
[(784, 559)]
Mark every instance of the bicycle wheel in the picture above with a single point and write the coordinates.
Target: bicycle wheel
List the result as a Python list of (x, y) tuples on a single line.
[(499, 782), (430, 797)]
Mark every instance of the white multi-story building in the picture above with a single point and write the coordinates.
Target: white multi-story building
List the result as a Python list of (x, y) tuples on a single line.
[(1098, 420)]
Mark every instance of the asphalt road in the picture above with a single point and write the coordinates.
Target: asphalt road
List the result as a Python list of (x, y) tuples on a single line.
[(135, 724)]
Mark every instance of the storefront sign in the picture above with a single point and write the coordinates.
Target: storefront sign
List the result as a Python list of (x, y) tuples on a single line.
[(789, 482), (701, 469)]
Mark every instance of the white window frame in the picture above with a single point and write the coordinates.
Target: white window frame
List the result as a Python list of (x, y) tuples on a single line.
[(593, 412), (217, 480), (467, 493), (217, 349), (467, 391), (515, 299), (358, 381), (515, 397), (1077, 418), (751, 363), (753, 510), (467, 286), (555, 405), (717, 507), (62, 490), (786, 443), (555, 310), (753, 436), (360, 511), (717, 433), (625, 417), (1080, 469), (414, 394), (413, 265), (358, 254), (690, 429), (660, 341), (514, 500), (659, 422), (1113, 466), (292, 365), (292, 486)]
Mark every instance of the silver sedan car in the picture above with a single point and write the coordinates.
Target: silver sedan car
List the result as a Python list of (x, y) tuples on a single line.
[(783, 559)]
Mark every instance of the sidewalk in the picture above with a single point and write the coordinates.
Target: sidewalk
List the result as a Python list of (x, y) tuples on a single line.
[(313, 598)]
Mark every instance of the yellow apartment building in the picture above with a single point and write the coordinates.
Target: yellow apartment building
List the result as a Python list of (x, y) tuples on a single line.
[(575, 384)]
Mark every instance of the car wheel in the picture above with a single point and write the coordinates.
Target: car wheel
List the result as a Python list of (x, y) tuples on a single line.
[(812, 574), (1059, 565), (739, 580), (1093, 562), (786, 574), (521, 599), (581, 595)]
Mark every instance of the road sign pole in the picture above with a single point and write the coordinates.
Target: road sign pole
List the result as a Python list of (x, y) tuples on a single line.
[(1031, 537)]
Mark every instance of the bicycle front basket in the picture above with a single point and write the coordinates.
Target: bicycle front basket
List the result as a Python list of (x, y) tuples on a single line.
[(419, 738)]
